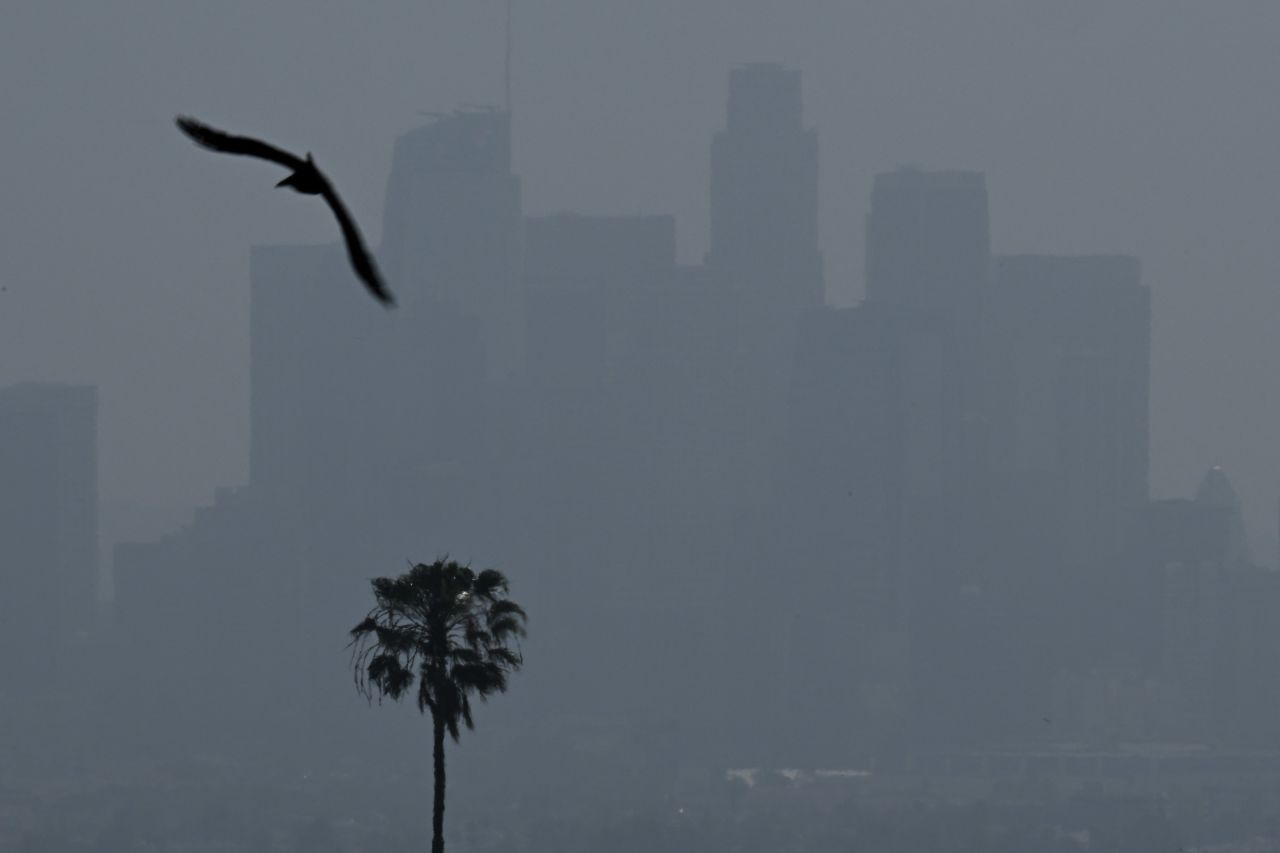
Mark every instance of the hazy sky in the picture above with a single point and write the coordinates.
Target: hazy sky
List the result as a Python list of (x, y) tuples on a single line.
[(1147, 127)]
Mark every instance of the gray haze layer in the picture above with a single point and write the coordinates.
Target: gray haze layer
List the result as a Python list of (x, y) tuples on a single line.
[(1144, 128), (865, 434)]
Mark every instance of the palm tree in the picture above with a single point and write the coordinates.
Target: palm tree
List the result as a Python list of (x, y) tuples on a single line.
[(450, 629)]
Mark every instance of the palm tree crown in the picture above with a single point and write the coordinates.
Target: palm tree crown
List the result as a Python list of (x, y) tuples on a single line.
[(445, 626)]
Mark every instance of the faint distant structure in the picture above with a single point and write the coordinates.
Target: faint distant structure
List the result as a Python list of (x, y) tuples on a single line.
[(763, 260), (306, 179), (48, 529), (927, 260), (1205, 616), (840, 505), (451, 229), (623, 455), (1184, 612), (590, 282), (1215, 491), (299, 440), (1070, 341), (764, 191), (1067, 348), (928, 240), (592, 285), (452, 242)]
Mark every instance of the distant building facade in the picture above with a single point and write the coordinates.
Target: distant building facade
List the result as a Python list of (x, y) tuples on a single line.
[(764, 191), (1073, 374), (48, 530), (452, 230)]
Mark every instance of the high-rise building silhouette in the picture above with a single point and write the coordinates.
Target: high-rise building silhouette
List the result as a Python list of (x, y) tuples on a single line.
[(48, 529), (1069, 356), (838, 521), (311, 343), (928, 240), (927, 258), (764, 260), (1066, 356), (451, 251), (593, 284), (452, 229), (764, 191)]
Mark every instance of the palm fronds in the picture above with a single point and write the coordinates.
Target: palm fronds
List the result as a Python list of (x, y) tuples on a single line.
[(449, 629)]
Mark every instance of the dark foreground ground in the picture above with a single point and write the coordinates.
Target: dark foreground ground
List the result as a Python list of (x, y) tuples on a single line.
[(992, 803)]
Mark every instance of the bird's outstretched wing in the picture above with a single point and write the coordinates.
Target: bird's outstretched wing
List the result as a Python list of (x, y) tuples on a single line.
[(216, 140), (311, 177), (361, 260)]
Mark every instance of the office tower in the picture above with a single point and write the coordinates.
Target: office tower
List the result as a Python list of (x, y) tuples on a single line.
[(48, 528), (1067, 351), (838, 531), (346, 399), (607, 472), (592, 284), (451, 231), (1070, 341), (589, 281), (316, 355), (928, 241), (764, 192), (927, 257), (765, 262)]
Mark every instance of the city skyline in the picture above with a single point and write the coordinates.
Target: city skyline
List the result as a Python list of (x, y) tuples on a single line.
[(865, 407), (160, 518), (965, 453), (1136, 180)]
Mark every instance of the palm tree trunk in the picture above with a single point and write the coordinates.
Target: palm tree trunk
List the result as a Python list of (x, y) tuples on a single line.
[(437, 809)]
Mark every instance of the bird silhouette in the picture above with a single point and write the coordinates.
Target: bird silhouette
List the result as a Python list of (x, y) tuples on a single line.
[(306, 179)]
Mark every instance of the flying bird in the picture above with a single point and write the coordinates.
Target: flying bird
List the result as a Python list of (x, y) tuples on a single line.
[(306, 179)]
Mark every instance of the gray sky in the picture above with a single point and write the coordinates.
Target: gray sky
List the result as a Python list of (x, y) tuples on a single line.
[(1138, 126)]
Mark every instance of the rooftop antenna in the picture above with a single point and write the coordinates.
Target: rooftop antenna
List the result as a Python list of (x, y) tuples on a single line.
[(506, 67)]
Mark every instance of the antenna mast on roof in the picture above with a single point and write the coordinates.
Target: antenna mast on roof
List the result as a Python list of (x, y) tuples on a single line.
[(506, 68)]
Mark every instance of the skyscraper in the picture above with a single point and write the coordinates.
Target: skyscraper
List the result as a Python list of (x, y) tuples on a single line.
[(927, 257), (928, 240), (837, 517), (1070, 341), (452, 229), (312, 343), (1067, 352), (927, 251), (48, 526), (764, 191), (594, 284), (451, 249)]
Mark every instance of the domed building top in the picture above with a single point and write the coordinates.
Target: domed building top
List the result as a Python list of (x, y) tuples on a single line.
[(1216, 490)]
